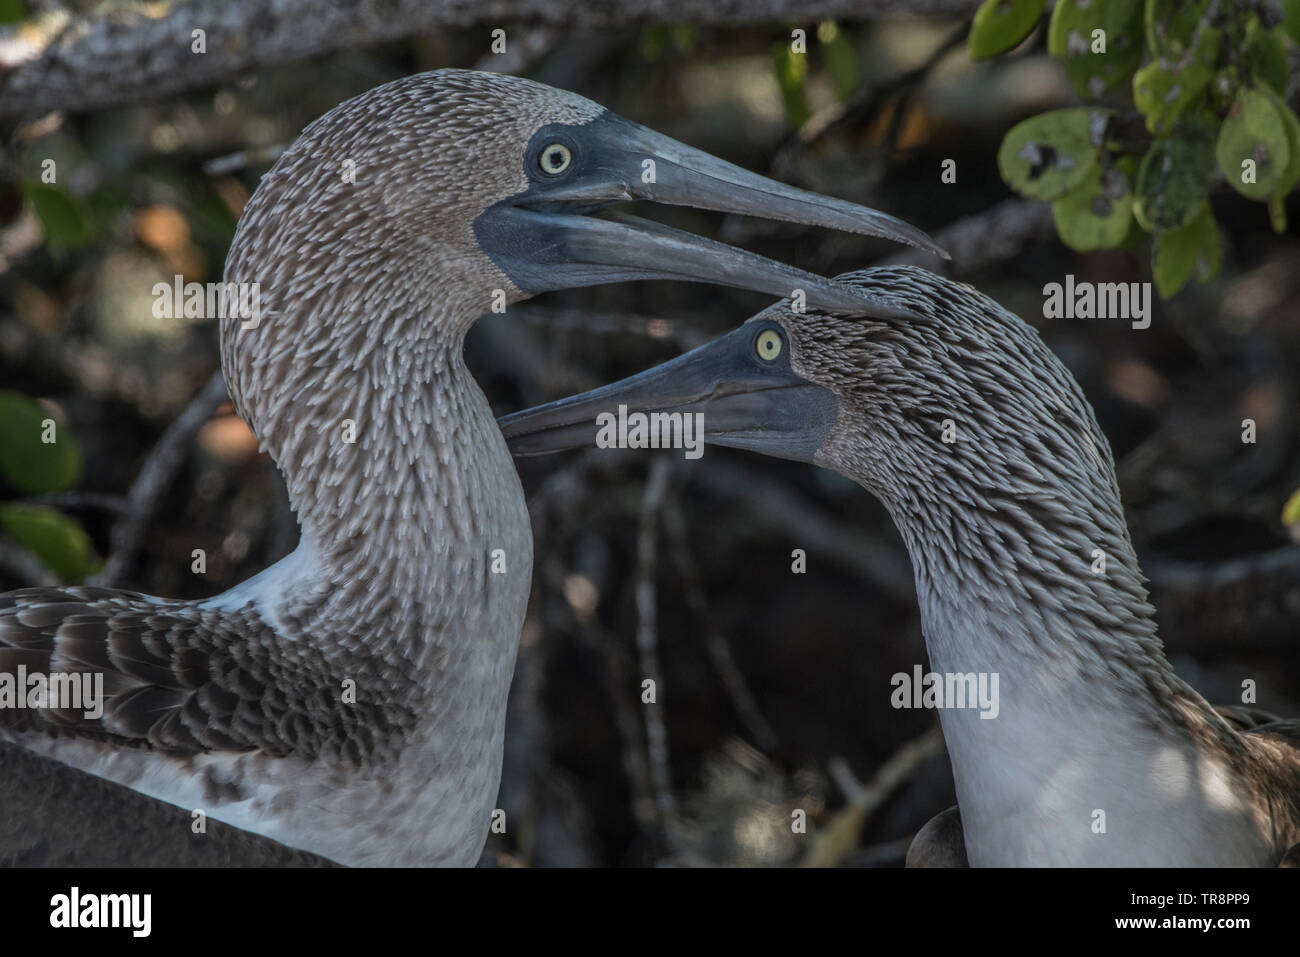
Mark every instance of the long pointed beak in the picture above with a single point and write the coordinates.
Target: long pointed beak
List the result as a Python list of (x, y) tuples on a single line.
[(742, 402), (546, 239)]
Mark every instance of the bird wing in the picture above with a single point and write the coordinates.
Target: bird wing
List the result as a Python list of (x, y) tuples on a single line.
[(176, 677)]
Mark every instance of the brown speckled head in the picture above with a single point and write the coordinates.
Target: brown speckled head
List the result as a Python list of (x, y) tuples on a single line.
[(360, 238)]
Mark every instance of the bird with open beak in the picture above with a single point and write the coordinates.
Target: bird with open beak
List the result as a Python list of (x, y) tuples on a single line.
[(350, 699)]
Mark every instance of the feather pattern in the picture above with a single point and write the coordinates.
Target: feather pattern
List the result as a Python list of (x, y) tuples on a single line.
[(989, 459)]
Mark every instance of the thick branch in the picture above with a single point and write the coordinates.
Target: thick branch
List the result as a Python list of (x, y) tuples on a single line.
[(127, 52)]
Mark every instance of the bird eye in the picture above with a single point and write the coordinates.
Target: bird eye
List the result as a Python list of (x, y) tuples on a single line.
[(768, 344), (555, 159)]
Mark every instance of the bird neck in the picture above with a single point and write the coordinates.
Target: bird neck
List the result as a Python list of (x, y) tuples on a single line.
[(413, 518), (987, 455), (1093, 751)]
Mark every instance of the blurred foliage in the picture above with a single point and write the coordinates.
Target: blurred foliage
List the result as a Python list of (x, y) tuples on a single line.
[(791, 76), (58, 541), (38, 456), (1291, 515), (66, 222), (836, 53), (1140, 163)]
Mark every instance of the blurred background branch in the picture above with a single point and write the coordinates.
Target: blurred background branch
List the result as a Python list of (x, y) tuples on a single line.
[(127, 52)]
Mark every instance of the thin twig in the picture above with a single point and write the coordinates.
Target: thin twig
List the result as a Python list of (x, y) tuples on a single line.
[(647, 637), (607, 650), (742, 698), (160, 468), (76, 501), (24, 566), (838, 839), (864, 107), (557, 504)]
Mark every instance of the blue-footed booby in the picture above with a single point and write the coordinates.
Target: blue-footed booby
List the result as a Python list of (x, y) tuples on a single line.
[(988, 458), (349, 700)]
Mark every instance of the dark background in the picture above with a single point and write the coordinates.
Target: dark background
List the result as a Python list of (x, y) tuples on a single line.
[(773, 688)]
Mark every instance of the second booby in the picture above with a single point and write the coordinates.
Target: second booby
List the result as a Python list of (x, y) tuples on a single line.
[(986, 454)]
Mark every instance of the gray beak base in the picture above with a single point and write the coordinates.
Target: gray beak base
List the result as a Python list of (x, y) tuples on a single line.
[(744, 402), (545, 238)]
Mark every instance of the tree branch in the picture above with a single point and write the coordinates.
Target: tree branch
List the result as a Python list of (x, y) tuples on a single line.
[(126, 52), (155, 478)]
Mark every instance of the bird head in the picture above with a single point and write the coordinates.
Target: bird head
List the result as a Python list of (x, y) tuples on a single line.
[(459, 189), (960, 398)]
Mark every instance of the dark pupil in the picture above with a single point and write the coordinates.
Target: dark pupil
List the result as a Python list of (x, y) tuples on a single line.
[(554, 158)]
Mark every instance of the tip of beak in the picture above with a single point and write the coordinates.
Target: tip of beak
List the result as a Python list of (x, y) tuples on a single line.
[(922, 240)]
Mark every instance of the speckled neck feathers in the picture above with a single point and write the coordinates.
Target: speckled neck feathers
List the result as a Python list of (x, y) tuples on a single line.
[(988, 457)]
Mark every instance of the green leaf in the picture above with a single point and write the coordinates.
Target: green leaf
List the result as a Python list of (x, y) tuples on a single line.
[(1098, 213), (1254, 134), (685, 36), (1174, 179), (66, 223), (1291, 510), (57, 540), (12, 11), (1099, 40), (1191, 250), (1048, 155), (791, 72), (1268, 54), (841, 59), (1163, 90), (652, 42), (1171, 24), (1292, 24), (28, 464), (1290, 126), (1001, 24)]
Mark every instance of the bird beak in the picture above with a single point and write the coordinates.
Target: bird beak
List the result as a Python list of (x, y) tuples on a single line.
[(742, 402), (545, 238)]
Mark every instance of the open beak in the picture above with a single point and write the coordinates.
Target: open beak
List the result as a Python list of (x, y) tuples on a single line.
[(545, 238), (741, 401)]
